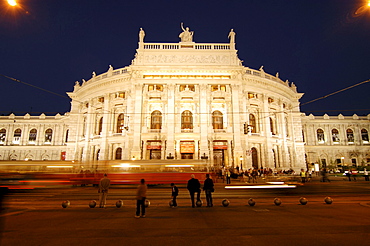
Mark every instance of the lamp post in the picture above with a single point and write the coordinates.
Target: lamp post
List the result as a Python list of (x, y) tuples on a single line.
[(12, 2)]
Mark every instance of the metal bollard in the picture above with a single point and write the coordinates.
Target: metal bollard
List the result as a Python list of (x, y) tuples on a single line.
[(65, 204), (277, 201), (119, 203), (225, 202), (92, 204), (199, 203), (303, 201), (328, 200), (251, 202)]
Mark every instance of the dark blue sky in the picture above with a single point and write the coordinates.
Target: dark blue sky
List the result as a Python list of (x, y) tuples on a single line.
[(320, 45)]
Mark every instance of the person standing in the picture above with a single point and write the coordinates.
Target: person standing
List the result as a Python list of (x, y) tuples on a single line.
[(103, 190), (175, 193), (193, 186), (140, 199), (208, 188), (366, 175), (303, 175), (228, 176)]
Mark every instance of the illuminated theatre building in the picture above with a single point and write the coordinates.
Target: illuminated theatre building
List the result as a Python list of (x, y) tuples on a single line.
[(187, 100)]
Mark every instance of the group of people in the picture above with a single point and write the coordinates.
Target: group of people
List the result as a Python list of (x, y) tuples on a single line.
[(193, 187)]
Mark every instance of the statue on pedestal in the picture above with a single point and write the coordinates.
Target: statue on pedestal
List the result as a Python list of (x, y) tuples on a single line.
[(141, 35), (186, 35)]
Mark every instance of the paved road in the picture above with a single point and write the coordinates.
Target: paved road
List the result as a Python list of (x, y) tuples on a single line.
[(45, 222)]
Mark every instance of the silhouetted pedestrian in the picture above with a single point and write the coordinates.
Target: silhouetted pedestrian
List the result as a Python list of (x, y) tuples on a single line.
[(175, 193), (208, 188), (193, 186), (103, 190), (140, 199)]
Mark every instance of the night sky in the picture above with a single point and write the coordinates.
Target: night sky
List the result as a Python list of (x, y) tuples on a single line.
[(321, 45)]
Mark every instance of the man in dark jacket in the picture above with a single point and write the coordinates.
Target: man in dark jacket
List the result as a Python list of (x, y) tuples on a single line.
[(175, 193), (208, 188), (193, 186)]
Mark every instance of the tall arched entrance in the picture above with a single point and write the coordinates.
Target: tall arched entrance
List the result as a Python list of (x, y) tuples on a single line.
[(254, 158)]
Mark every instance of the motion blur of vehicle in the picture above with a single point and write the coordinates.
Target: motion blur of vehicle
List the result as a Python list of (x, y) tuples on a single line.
[(38, 174)]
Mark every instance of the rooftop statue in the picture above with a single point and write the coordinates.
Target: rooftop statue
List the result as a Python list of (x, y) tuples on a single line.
[(186, 35), (141, 35), (232, 36)]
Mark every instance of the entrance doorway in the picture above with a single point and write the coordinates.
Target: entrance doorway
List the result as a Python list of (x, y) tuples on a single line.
[(254, 158), (155, 154), (218, 158)]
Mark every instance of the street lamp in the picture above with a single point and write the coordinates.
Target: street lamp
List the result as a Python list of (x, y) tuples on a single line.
[(12, 2)]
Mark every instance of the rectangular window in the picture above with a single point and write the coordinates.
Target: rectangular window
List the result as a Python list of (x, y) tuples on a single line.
[(120, 95)]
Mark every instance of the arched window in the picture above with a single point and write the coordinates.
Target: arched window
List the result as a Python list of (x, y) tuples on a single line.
[(217, 120), (17, 136), (2, 135), (118, 154), (120, 123), (84, 127), (186, 120), (67, 133), (33, 135), (97, 155), (48, 135), (364, 135), (350, 137), (272, 128), (156, 120), (334, 135), (286, 127), (252, 123), (100, 126), (320, 135)]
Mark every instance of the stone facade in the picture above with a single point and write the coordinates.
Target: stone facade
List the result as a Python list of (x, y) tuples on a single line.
[(181, 101)]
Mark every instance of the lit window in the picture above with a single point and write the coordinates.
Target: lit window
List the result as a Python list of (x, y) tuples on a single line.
[(100, 126), (272, 128), (320, 136), (334, 135), (251, 95), (364, 136), (48, 135), (120, 123), (187, 88), (156, 120), (218, 87), (186, 120), (155, 88), (32, 136), (120, 95), (350, 137), (252, 123), (217, 120), (2, 135), (17, 136), (118, 154)]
